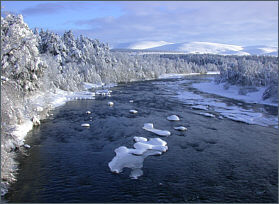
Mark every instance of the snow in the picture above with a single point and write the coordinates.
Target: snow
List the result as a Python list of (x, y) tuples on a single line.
[(203, 48), (39, 109), (88, 86), (133, 111), (104, 92), (21, 130), (85, 125), (134, 158), (267, 50), (110, 103), (36, 121), (174, 75), (162, 47), (207, 115), (140, 139), (232, 92), (47, 100), (149, 127), (212, 72), (217, 105), (180, 128), (141, 45), (173, 118), (27, 146), (4, 78)]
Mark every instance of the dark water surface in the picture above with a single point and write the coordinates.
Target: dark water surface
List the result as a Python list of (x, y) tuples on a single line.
[(216, 160)]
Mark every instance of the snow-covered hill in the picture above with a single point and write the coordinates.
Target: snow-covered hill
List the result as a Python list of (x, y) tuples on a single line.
[(200, 48), (142, 45)]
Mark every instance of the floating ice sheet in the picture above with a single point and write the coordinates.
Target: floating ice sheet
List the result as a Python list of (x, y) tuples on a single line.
[(173, 118), (133, 158), (149, 127), (85, 125), (207, 115), (180, 128), (133, 111)]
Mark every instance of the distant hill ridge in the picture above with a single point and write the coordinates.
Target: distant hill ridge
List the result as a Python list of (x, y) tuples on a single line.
[(199, 48)]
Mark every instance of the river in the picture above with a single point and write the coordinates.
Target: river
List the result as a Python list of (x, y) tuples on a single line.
[(216, 160)]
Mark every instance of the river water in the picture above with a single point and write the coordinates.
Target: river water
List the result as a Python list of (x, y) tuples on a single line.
[(216, 160)]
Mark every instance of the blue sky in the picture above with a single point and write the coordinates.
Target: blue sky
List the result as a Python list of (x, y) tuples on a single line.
[(240, 23)]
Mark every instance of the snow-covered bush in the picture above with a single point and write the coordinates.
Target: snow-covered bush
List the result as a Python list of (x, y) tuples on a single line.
[(22, 70), (252, 71)]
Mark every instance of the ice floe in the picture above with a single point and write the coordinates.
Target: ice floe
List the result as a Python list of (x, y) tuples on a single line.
[(207, 115), (133, 158), (200, 107), (173, 118), (180, 128), (85, 125), (110, 103), (140, 139), (133, 111), (149, 127)]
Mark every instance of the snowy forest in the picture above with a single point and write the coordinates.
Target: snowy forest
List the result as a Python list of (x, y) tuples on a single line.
[(36, 61)]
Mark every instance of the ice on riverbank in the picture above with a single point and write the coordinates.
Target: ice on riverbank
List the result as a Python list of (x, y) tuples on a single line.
[(173, 75), (149, 127), (233, 111), (20, 131), (104, 92), (88, 86), (233, 92), (42, 103), (134, 158)]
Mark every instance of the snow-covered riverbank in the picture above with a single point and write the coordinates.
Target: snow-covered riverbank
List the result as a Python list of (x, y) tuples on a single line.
[(219, 107), (173, 75), (233, 92), (41, 103)]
